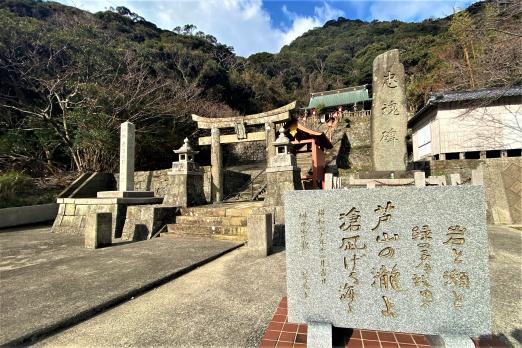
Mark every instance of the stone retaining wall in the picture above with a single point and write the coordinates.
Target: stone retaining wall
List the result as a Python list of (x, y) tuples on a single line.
[(17, 216), (502, 180)]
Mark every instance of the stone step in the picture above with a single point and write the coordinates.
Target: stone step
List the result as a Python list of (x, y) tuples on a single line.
[(202, 230), (217, 212), (211, 220), (202, 236)]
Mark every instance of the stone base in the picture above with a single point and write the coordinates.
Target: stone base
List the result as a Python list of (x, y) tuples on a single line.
[(72, 212), (125, 194), (144, 221), (281, 180)]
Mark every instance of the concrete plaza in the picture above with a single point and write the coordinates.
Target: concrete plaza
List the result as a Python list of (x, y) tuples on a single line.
[(227, 302)]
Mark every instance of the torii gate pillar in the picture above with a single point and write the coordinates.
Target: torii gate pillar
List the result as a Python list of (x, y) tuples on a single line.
[(217, 166)]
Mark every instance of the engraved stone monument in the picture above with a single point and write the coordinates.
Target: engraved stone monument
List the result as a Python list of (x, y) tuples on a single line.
[(408, 259), (389, 117)]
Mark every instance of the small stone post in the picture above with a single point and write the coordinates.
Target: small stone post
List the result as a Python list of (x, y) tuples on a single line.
[(217, 166), (127, 143), (420, 179), (328, 181), (477, 177), (455, 179), (98, 230), (259, 228)]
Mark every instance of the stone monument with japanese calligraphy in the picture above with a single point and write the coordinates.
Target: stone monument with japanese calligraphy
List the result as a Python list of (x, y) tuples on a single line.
[(389, 116), (408, 259)]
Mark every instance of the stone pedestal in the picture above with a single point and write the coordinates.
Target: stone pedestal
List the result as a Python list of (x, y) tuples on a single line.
[(73, 212), (145, 221), (185, 180)]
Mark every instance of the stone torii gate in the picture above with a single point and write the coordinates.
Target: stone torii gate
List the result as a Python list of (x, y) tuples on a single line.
[(268, 118)]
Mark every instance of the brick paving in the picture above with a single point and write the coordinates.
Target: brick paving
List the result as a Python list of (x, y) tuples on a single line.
[(282, 334)]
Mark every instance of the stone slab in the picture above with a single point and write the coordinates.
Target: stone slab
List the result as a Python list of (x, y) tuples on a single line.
[(390, 292), (50, 281), (125, 194)]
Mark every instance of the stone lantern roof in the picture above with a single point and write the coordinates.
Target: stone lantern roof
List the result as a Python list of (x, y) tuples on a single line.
[(186, 148)]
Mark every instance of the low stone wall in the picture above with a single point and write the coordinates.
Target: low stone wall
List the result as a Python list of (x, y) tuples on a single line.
[(502, 180), (154, 180), (158, 181), (17, 216)]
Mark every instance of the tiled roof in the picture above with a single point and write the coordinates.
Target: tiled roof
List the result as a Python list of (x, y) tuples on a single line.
[(339, 97), (479, 94), (486, 93)]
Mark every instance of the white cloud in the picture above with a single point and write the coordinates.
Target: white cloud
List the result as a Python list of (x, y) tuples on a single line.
[(301, 24), (414, 10), (243, 24)]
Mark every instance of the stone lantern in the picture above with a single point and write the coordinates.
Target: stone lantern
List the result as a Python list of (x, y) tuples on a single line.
[(283, 156), (283, 174), (186, 161), (186, 179)]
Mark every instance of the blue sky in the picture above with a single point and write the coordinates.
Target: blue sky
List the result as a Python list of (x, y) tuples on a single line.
[(252, 26)]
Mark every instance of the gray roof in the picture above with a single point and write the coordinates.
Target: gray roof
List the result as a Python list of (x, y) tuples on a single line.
[(479, 94)]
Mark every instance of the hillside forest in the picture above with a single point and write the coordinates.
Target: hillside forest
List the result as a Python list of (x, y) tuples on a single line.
[(69, 77)]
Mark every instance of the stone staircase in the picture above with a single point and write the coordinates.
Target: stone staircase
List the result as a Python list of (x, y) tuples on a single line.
[(254, 190), (225, 221)]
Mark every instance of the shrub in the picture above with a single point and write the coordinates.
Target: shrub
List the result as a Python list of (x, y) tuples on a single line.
[(13, 182)]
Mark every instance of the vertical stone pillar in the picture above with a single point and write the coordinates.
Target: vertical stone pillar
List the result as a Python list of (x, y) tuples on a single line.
[(462, 155), (217, 166), (389, 115), (127, 142), (270, 138)]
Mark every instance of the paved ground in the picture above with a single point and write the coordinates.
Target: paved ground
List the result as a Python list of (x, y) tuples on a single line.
[(506, 283), (229, 302), (226, 303), (49, 280)]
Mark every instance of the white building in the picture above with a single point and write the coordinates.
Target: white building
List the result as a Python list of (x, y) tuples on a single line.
[(484, 123)]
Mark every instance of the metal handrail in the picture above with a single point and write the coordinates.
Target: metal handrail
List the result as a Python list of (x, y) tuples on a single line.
[(244, 187)]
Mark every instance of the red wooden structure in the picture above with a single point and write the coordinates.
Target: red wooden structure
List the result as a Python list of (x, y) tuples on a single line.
[(307, 140)]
